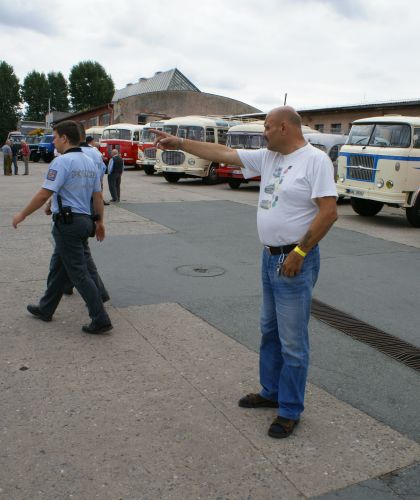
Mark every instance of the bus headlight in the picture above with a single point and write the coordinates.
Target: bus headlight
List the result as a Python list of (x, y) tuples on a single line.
[(380, 183), (191, 161), (389, 184)]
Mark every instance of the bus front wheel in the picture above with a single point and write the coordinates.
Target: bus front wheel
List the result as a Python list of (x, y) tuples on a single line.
[(413, 213), (366, 208), (234, 183), (172, 178), (212, 176), (149, 169)]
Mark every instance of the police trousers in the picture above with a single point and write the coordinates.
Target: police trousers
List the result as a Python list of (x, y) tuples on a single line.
[(69, 267)]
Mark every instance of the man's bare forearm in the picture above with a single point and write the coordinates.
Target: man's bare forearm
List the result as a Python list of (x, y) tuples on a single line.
[(319, 227)]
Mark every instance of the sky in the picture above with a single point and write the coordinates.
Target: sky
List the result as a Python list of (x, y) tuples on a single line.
[(319, 52)]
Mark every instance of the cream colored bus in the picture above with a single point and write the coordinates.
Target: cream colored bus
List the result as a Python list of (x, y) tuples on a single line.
[(174, 164), (380, 165)]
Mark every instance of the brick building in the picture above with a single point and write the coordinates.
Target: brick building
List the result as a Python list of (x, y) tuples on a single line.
[(338, 119)]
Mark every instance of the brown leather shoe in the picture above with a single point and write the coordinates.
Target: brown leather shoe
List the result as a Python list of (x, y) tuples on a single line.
[(256, 401), (282, 427)]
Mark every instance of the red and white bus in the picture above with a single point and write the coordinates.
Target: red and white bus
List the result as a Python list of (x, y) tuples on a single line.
[(125, 138), (147, 152)]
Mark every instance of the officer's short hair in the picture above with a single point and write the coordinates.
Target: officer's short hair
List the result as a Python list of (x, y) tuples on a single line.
[(82, 132), (70, 129)]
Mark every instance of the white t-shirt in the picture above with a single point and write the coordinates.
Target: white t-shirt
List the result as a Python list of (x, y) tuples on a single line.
[(289, 184)]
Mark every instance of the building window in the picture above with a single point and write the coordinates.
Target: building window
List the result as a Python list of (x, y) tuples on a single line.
[(336, 128), (319, 127), (142, 119), (106, 119), (93, 122)]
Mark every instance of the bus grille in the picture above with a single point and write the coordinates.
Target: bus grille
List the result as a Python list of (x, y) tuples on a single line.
[(150, 153), (173, 157), (361, 168)]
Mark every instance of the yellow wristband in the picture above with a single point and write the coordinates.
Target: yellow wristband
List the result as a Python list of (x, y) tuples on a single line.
[(300, 252)]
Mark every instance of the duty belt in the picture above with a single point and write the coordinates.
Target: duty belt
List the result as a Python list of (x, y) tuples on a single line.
[(280, 250)]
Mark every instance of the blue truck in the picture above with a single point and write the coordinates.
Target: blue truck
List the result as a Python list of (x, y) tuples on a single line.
[(46, 148)]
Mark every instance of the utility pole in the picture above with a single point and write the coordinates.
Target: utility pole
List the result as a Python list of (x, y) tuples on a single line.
[(285, 99)]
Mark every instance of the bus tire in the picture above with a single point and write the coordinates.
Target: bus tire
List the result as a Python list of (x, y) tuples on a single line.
[(413, 213), (149, 169), (172, 178), (366, 208), (234, 183), (212, 176), (34, 158)]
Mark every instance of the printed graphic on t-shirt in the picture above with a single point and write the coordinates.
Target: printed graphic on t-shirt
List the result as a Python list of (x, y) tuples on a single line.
[(52, 174), (273, 188)]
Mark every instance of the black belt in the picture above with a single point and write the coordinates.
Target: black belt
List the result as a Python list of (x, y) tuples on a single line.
[(280, 250), (57, 216)]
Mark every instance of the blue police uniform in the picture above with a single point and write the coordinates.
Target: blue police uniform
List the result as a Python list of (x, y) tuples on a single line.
[(75, 178)]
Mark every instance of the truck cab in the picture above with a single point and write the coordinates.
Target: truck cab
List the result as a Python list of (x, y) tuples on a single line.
[(46, 148), (380, 165)]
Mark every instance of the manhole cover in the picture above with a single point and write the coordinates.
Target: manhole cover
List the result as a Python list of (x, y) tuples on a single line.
[(199, 270)]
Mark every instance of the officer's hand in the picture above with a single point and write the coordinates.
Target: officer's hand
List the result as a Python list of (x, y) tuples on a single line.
[(17, 219), (47, 209), (164, 140), (292, 265), (100, 231)]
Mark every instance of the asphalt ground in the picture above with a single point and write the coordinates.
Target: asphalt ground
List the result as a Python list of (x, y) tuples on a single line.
[(164, 244)]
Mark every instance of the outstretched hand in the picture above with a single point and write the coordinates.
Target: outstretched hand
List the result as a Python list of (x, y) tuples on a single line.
[(17, 219), (165, 141)]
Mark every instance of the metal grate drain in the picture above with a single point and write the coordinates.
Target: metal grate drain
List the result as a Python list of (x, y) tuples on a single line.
[(394, 347)]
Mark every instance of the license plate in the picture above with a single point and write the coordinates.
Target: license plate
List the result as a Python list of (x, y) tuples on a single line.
[(356, 192), (169, 169)]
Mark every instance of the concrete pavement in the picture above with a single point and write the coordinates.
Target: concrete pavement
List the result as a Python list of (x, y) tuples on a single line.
[(150, 411)]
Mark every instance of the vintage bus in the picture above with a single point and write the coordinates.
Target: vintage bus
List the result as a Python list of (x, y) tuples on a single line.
[(146, 155), (251, 136), (122, 136), (96, 133), (380, 165), (175, 164)]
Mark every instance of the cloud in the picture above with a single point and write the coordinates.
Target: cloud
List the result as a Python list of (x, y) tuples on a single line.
[(22, 15)]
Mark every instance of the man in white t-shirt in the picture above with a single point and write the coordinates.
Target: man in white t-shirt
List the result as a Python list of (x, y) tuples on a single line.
[(296, 208)]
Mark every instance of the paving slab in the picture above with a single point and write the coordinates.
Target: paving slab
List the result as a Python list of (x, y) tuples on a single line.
[(355, 448)]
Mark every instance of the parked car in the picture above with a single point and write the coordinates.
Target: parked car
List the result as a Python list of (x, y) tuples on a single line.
[(46, 148)]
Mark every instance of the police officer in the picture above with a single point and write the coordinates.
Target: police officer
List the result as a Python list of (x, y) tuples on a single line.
[(72, 180), (96, 157)]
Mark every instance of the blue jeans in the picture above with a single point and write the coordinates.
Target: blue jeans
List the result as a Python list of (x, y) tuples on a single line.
[(284, 350)]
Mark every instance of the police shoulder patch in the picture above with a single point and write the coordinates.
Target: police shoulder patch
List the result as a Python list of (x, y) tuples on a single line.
[(52, 174)]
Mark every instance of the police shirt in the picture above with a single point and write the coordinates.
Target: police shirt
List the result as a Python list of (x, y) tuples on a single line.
[(75, 177), (95, 156)]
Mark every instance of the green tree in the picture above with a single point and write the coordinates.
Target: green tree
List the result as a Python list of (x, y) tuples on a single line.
[(59, 92), (35, 93), (90, 86), (9, 100)]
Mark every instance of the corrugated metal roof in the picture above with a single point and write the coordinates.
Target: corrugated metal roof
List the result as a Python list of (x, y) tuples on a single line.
[(161, 81), (365, 105)]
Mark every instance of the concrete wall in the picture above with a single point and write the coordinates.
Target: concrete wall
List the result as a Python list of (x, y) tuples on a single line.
[(329, 117), (176, 103)]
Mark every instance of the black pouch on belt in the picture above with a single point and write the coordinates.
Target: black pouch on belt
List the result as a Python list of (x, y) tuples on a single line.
[(66, 215)]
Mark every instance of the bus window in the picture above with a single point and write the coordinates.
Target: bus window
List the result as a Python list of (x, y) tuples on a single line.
[(209, 134), (191, 132), (221, 135), (170, 129), (136, 135), (416, 138), (360, 134)]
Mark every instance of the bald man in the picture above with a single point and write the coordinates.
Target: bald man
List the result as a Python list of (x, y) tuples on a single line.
[(297, 207)]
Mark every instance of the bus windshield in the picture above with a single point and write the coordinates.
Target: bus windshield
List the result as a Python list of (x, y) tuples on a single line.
[(397, 135), (170, 129), (117, 133), (246, 141), (191, 132), (147, 136)]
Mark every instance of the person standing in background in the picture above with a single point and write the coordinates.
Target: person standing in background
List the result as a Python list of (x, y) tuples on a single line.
[(15, 151), (115, 170), (7, 158), (26, 153)]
